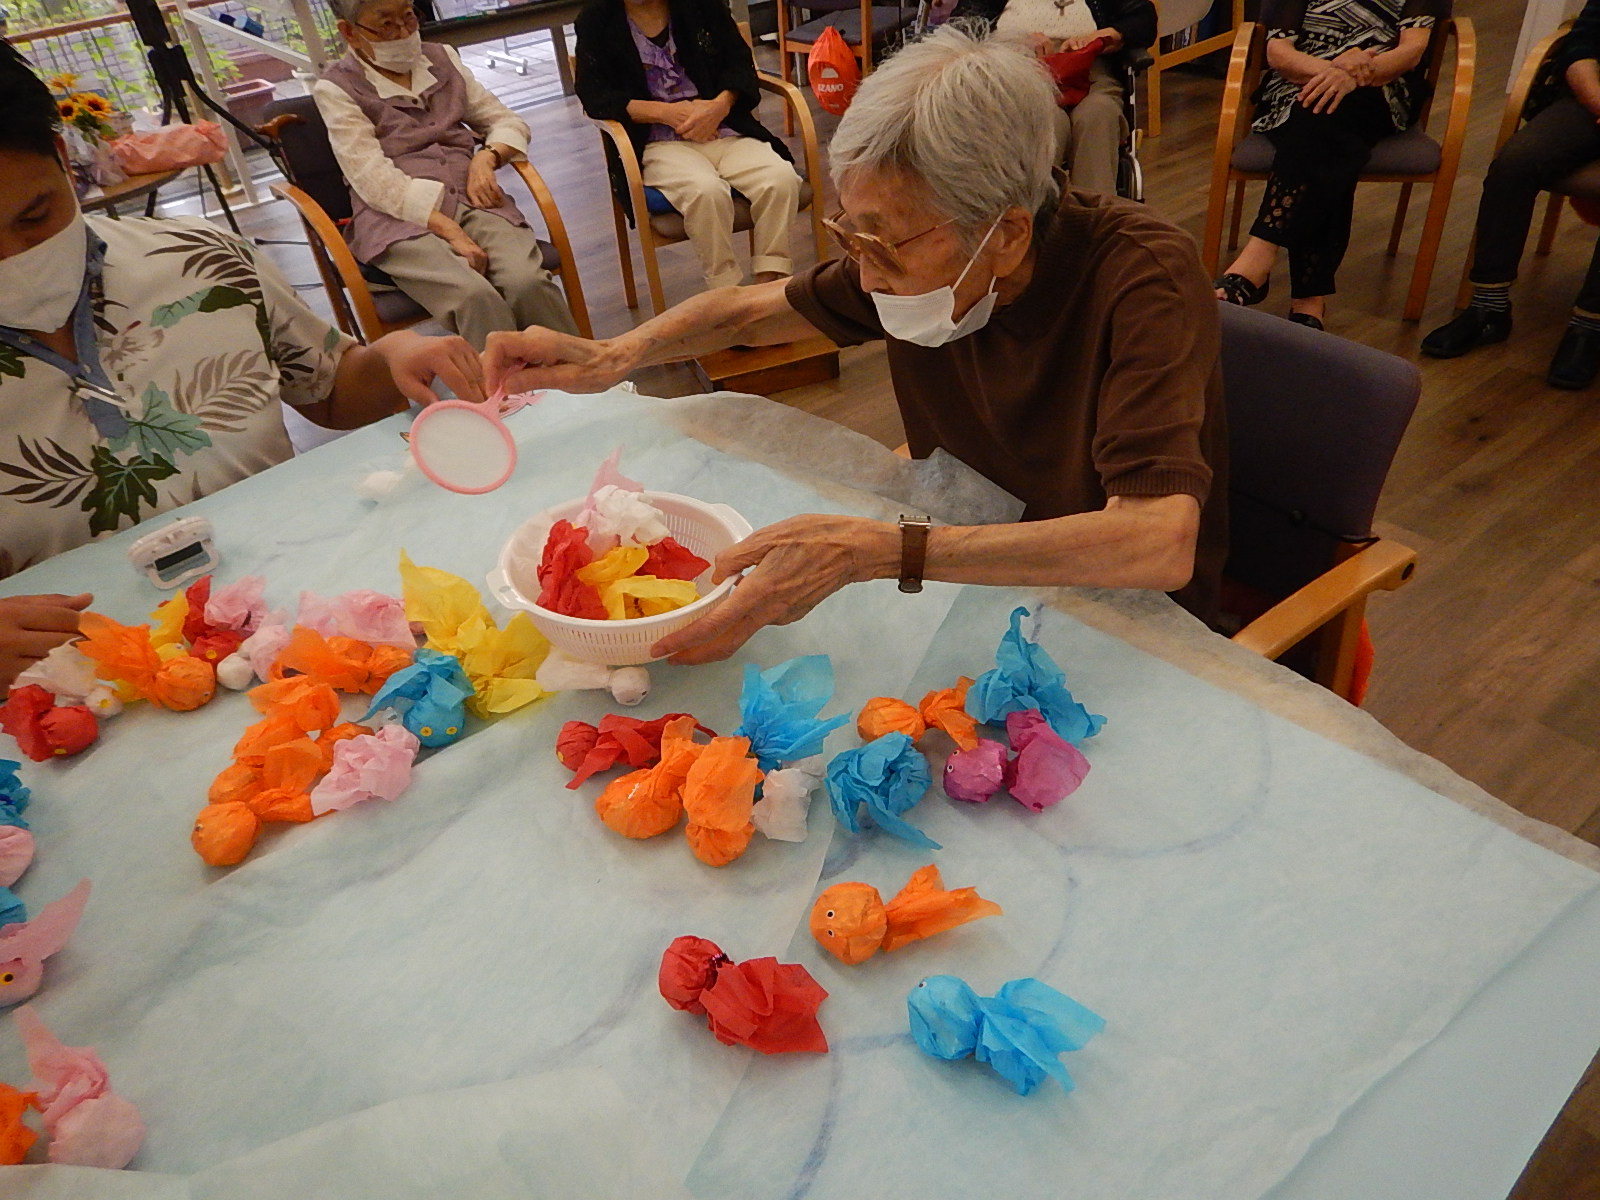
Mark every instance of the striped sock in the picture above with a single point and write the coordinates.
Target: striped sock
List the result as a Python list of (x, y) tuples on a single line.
[(1585, 320), (1491, 297)]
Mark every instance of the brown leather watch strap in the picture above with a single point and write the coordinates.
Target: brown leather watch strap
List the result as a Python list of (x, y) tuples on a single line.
[(913, 551)]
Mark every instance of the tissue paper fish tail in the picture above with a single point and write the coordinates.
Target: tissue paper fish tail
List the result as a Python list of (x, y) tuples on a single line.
[(851, 921)]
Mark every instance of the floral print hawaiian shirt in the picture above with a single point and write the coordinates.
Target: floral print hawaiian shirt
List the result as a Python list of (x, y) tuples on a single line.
[(202, 339)]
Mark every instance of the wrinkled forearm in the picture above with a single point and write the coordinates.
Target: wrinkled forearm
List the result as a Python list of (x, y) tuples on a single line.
[(734, 316), (1143, 542), (1391, 64)]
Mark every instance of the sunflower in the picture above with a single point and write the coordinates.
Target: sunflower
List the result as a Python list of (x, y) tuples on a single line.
[(62, 82), (94, 103), (70, 110)]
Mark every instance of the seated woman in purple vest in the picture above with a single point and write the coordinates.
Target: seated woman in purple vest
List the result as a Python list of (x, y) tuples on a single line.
[(680, 78), (405, 121)]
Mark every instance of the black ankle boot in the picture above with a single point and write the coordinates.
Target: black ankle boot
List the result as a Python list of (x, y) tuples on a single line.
[(1577, 359), (1471, 328)]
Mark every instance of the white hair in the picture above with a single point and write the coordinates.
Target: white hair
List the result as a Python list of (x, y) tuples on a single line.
[(970, 116), (348, 10)]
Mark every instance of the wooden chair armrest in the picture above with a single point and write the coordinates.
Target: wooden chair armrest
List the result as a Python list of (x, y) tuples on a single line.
[(1384, 564), (795, 99), (1238, 86), (273, 129), (558, 236), (1230, 129), (320, 226), (1460, 30), (1517, 98), (631, 168)]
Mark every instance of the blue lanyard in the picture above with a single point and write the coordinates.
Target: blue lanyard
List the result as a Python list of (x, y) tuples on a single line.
[(90, 383)]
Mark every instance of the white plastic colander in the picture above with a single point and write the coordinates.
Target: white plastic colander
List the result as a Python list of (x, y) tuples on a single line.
[(701, 528)]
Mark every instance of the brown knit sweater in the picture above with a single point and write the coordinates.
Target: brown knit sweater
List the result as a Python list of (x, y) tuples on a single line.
[(1101, 379)]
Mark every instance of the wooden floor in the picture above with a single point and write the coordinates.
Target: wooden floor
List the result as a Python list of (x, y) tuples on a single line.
[(1490, 660)]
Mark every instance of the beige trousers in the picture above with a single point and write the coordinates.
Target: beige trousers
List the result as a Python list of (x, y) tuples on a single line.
[(1089, 135), (695, 178), (517, 292)]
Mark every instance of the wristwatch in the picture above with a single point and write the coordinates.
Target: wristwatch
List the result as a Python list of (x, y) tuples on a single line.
[(913, 551)]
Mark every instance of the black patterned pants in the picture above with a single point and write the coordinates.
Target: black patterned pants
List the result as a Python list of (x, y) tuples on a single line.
[(1310, 194)]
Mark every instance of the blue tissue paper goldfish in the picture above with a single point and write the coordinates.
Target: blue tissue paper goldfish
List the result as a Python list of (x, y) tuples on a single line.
[(430, 697), (1021, 1031), (874, 784), (1025, 677), (778, 710)]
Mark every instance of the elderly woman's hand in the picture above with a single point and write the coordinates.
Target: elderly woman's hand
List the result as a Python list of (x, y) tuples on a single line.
[(545, 358), (791, 567), (1111, 38), (699, 120), (1360, 64), (1324, 90), (482, 189)]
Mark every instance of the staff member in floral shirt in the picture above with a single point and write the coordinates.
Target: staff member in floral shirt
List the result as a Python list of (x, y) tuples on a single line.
[(142, 364)]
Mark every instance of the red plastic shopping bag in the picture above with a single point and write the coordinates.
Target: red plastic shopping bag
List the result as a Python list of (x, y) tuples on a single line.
[(170, 148), (833, 71)]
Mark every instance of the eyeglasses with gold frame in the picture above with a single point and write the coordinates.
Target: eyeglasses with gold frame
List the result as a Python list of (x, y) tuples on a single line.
[(884, 254)]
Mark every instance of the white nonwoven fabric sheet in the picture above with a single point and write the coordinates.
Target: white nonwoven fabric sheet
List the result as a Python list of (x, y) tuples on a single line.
[(415, 992), (485, 928), (1268, 922)]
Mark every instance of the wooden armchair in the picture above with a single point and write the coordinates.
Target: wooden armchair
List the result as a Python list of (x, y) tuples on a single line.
[(1406, 158), (659, 224), (319, 193), (1536, 77), (1164, 60)]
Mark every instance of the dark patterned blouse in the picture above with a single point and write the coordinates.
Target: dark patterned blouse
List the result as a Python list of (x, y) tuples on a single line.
[(1326, 29)]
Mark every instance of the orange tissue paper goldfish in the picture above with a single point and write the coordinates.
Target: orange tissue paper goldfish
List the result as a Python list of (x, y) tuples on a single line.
[(647, 802), (852, 923), (718, 795), (127, 655)]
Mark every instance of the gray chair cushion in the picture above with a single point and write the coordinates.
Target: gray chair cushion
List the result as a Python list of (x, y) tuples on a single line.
[(668, 227), (1410, 153), (1583, 183), (886, 22), (396, 308)]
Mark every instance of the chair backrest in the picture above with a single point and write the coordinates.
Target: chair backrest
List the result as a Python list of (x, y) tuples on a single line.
[(1538, 84), (308, 156), (1314, 421)]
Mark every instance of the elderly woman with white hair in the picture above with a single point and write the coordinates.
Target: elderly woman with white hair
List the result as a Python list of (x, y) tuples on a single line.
[(419, 140), (1062, 343)]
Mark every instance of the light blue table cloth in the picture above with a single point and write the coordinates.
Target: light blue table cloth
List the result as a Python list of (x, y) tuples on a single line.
[(455, 994)]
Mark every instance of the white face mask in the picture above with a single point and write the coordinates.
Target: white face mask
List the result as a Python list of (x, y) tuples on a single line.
[(39, 288), (402, 54), (928, 319)]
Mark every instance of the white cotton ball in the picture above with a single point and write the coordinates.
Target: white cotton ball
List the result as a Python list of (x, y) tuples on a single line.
[(102, 702), (558, 673), (630, 685), (379, 485), (235, 672)]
